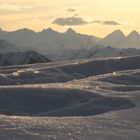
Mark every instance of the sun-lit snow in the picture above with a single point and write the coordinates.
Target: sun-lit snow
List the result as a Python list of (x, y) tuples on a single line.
[(73, 100)]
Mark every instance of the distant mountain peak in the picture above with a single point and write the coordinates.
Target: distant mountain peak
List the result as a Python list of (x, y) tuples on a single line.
[(117, 33), (134, 34), (48, 30), (24, 30), (113, 39), (116, 36), (70, 31)]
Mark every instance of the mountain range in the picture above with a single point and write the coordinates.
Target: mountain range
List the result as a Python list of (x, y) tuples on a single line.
[(70, 44), (48, 41), (119, 40)]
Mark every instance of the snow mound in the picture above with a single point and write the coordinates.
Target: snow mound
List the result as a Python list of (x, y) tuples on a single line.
[(69, 88), (57, 72), (57, 102)]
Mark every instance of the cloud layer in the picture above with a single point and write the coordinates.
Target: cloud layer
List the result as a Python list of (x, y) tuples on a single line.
[(75, 21), (111, 22), (14, 7), (107, 22), (70, 21), (71, 10)]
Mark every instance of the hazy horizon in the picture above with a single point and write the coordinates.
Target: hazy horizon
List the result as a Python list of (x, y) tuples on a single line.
[(69, 70), (94, 34), (98, 17)]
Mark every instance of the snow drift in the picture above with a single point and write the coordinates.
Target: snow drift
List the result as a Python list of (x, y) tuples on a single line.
[(44, 90), (57, 102)]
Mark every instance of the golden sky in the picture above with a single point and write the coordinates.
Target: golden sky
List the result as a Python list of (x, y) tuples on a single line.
[(95, 17)]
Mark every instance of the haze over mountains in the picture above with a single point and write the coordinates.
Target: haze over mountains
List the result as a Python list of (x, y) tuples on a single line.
[(11, 54), (27, 37), (70, 45), (47, 40), (6, 47), (119, 40)]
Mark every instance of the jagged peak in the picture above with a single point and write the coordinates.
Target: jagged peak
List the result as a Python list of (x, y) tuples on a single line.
[(117, 32), (48, 30), (133, 34), (24, 30), (70, 30)]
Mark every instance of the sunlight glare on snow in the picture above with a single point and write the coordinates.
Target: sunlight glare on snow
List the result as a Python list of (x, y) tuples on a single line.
[(114, 74), (15, 74), (36, 72), (3, 75)]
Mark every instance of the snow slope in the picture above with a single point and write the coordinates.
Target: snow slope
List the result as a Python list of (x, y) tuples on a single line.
[(20, 58), (58, 72), (84, 99)]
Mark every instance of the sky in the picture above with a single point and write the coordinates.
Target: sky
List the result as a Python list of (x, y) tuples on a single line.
[(93, 17)]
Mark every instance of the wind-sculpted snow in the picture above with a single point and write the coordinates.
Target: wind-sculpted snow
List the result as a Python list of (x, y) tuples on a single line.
[(57, 102), (61, 72), (73, 100), (131, 77)]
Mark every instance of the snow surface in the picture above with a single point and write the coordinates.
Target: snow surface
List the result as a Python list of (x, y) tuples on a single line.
[(73, 100)]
